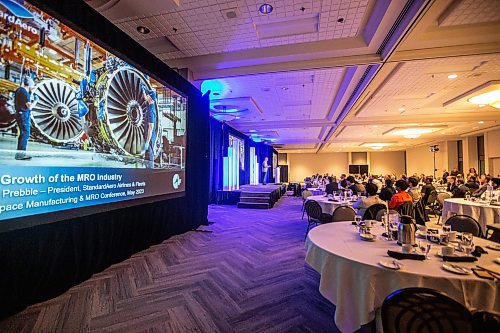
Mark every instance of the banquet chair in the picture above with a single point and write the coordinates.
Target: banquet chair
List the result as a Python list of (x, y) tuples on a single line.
[(440, 199), (371, 212), (305, 195), (380, 213), (422, 310), (315, 215), (432, 198), (464, 223), (407, 208), (343, 213), (483, 321), (492, 233)]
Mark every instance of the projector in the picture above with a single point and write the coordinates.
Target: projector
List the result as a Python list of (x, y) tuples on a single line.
[(434, 149)]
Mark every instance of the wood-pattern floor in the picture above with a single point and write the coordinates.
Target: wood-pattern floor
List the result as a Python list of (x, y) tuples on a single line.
[(249, 275)]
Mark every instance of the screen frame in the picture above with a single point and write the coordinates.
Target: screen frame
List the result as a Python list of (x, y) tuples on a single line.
[(186, 90)]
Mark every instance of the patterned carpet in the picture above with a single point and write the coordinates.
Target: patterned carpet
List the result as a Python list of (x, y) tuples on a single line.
[(248, 275)]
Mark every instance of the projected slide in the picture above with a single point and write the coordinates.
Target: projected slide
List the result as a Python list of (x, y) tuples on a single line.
[(78, 125)]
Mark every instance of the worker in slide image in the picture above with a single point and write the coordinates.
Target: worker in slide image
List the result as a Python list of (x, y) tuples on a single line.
[(150, 130), (23, 104)]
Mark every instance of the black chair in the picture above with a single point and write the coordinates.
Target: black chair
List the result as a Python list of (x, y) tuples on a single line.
[(315, 215), (483, 322), (431, 199), (420, 213), (464, 223), (492, 233), (371, 212), (406, 208), (343, 213), (422, 310)]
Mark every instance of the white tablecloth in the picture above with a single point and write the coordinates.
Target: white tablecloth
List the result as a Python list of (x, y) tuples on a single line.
[(483, 213), (326, 206), (352, 279), (315, 191)]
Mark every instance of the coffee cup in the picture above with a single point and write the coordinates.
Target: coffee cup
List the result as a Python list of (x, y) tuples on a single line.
[(407, 248), (452, 236), (447, 250)]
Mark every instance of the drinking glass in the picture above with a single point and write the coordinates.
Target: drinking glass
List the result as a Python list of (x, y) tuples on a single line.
[(467, 197), (357, 219), (467, 239)]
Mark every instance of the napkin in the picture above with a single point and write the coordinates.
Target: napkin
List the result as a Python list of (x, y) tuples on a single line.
[(459, 258), (400, 255)]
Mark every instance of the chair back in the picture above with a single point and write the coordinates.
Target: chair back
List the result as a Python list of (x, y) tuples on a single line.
[(492, 233), (371, 212), (422, 310), (442, 196), (464, 223), (343, 213), (306, 194), (431, 199), (313, 210), (380, 213), (406, 208)]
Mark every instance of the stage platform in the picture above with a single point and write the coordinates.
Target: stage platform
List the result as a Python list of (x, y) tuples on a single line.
[(253, 196)]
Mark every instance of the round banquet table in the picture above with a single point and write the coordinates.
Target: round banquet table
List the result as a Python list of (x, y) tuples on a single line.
[(352, 279), (482, 212), (327, 206), (315, 191)]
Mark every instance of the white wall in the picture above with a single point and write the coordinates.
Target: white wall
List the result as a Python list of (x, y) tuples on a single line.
[(492, 152), (383, 163), (420, 160), (304, 165)]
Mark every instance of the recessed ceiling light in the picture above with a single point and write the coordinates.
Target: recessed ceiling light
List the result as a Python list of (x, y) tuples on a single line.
[(401, 109), (482, 105), (480, 122), (452, 76), (265, 8), (143, 30), (251, 131), (284, 88)]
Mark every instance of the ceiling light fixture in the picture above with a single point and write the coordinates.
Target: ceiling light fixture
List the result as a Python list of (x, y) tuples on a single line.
[(452, 76), (480, 122), (412, 132), (485, 94), (265, 8), (143, 30)]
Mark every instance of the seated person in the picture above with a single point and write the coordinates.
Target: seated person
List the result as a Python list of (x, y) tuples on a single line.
[(363, 203), (413, 190), (460, 190), (427, 189), (472, 183), (450, 185), (484, 181), (354, 186), (332, 186), (401, 195), (388, 191)]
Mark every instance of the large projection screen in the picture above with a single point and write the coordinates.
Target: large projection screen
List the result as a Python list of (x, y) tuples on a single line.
[(80, 127)]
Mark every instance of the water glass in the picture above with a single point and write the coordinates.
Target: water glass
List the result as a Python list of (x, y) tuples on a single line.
[(357, 219), (467, 239), (467, 197)]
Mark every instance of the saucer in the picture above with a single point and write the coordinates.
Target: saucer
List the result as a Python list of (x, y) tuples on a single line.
[(391, 264), (368, 237)]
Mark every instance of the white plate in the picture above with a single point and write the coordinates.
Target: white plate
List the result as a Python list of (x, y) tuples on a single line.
[(368, 237), (391, 264), (421, 234), (462, 271), (495, 247)]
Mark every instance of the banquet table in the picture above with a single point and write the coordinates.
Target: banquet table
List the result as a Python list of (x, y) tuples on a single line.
[(353, 280), (315, 190), (327, 206), (484, 213)]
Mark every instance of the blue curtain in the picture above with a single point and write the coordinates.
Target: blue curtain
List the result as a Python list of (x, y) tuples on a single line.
[(219, 142)]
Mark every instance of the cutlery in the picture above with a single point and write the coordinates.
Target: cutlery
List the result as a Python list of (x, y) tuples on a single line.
[(460, 268), (428, 249), (396, 264)]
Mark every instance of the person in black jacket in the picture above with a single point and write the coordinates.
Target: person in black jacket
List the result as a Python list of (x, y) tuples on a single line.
[(445, 176), (388, 191), (332, 186), (472, 183), (460, 190)]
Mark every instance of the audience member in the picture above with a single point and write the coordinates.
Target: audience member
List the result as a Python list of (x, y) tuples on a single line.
[(413, 190), (388, 191), (372, 198), (332, 186), (401, 195)]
